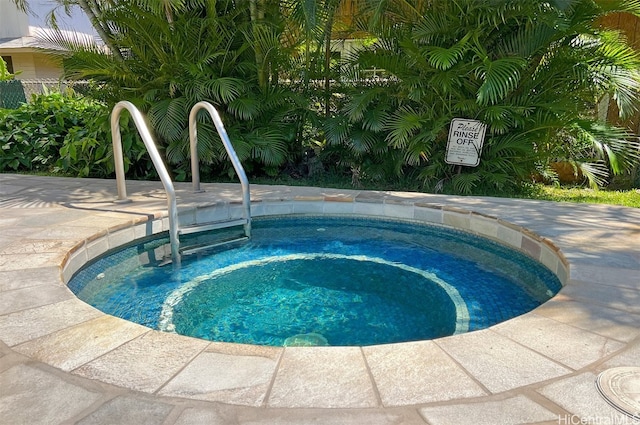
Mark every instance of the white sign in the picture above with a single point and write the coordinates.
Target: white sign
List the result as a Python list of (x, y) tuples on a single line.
[(465, 142)]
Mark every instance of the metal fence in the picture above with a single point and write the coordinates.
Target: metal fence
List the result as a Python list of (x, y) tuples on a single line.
[(13, 93)]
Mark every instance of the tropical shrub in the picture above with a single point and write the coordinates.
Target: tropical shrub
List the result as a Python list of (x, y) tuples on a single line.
[(532, 71), (64, 133), (87, 150), (32, 135), (5, 75), (168, 59)]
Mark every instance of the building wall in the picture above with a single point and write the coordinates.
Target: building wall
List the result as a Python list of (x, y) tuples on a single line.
[(23, 65), (29, 63), (45, 67), (33, 65), (13, 22)]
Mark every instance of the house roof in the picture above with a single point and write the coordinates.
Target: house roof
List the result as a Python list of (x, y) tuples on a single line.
[(37, 39)]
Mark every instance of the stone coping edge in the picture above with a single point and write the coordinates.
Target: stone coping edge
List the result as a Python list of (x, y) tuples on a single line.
[(522, 239)]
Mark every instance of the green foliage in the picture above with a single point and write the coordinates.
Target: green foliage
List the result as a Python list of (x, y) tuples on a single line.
[(532, 71), (5, 75), (87, 150), (628, 198), (32, 135), (205, 51), (65, 134)]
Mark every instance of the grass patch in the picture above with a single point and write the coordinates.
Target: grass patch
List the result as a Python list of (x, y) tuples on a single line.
[(627, 198)]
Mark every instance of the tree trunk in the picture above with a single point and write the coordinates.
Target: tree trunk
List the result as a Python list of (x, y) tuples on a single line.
[(332, 7), (256, 11), (105, 34)]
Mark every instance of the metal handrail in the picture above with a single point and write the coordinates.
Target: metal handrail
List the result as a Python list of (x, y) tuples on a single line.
[(116, 140), (195, 171)]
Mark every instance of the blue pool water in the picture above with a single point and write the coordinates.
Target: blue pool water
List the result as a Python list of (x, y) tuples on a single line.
[(322, 281)]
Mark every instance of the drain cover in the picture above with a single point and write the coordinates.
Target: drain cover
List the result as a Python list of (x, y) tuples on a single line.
[(306, 340), (620, 386)]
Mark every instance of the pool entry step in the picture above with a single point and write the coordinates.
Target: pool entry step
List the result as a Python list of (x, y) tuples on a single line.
[(175, 231), (209, 240)]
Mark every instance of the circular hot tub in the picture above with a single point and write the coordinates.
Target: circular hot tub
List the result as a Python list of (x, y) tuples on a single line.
[(310, 280)]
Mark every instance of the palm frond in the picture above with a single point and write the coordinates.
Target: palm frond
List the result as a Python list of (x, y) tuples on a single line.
[(336, 130), (465, 183), (595, 172), (616, 146), (245, 108), (433, 26), (373, 119), (402, 125), (616, 6), (359, 103), (444, 58), (225, 89), (417, 152), (169, 117), (527, 42), (268, 145), (499, 77), (362, 141)]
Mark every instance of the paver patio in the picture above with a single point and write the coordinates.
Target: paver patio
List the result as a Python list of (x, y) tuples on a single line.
[(61, 361)]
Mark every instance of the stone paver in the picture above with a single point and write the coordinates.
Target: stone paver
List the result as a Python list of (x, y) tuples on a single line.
[(194, 415), (418, 372), (498, 362), (551, 338), (24, 278), (618, 298), (322, 377), (31, 297), (579, 396), (16, 328), (145, 363), (515, 410), (63, 362), (611, 323), (72, 347), (128, 410), (29, 395), (29, 261), (610, 276), (222, 373), (330, 417), (628, 357)]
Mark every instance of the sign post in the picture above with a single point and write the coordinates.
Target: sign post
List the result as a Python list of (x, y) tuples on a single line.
[(464, 144)]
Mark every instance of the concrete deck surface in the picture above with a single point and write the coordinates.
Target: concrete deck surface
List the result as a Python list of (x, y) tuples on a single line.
[(63, 362)]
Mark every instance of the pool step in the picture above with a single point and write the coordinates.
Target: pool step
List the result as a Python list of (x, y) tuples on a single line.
[(212, 225), (193, 249), (208, 241)]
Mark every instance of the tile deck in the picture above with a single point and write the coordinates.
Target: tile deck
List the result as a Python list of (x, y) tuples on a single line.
[(62, 361)]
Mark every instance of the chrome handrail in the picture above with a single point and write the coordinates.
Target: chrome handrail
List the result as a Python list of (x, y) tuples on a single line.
[(116, 140), (195, 171)]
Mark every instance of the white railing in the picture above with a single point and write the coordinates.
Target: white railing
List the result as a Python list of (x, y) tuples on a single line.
[(237, 166), (116, 140), (174, 230)]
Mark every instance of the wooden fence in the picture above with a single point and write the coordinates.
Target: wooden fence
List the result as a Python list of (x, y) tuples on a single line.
[(630, 27)]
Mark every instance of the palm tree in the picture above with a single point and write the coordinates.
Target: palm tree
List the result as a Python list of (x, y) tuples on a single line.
[(532, 71), (175, 57), (168, 55)]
